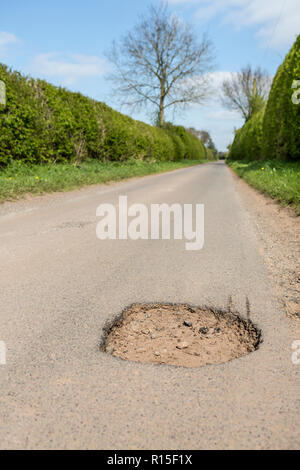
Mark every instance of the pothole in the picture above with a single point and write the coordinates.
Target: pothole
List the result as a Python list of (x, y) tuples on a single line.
[(179, 335)]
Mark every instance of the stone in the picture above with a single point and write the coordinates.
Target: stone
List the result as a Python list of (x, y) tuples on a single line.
[(182, 345), (187, 323), (156, 353), (153, 336), (191, 310), (203, 330)]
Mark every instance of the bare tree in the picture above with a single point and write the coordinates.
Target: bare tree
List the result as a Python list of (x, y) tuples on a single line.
[(161, 63), (246, 91)]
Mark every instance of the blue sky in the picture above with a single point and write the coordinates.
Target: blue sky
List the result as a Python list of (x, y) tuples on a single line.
[(66, 41)]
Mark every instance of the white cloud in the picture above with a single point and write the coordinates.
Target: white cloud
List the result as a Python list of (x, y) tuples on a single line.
[(5, 40), (69, 67), (277, 20), (223, 115), (216, 78)]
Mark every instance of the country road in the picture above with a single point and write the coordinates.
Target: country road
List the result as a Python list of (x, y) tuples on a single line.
[(60, 284)]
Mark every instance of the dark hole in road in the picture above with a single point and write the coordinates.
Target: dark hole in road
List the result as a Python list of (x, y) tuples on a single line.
[(179, 335)]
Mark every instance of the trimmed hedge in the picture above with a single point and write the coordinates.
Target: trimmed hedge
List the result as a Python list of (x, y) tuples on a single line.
[(281, 127), (186, 144), (210, 154), (247, 144), (42, 123), (274, 132)]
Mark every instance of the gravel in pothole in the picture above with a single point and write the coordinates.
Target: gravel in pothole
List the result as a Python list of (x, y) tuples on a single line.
[(179, 335)]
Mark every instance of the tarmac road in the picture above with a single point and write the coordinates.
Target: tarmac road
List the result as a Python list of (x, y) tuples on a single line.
[(60, 284)]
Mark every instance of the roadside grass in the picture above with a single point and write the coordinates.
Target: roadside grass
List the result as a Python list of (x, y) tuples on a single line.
[(280, 180), (19, 179)]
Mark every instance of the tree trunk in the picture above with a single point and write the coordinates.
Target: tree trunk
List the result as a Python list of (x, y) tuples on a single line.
[(161, 115), (162, 104)]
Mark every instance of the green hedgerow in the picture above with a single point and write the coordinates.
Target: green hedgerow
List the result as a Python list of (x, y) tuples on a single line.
[(42, 123), (281, 126), (247, 144)]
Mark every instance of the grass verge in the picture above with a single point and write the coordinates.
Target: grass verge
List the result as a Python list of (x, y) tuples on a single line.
[(280, 180), (19, 179)]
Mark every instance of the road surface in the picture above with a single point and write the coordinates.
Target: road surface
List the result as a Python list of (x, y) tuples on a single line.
[(60, 284)]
